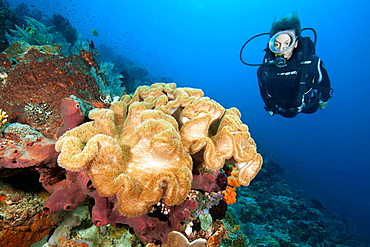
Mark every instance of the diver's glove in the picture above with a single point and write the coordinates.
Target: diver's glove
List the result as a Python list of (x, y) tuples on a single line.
[(270, 111), (323, 104)]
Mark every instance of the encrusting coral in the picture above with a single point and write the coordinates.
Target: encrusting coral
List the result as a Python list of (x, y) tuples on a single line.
[(143, 148)]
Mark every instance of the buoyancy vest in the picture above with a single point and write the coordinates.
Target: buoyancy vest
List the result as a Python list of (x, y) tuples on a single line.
[(286, 86)]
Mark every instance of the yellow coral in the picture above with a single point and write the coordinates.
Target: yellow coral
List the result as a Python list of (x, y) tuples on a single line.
[(142, 149), (3, 117)]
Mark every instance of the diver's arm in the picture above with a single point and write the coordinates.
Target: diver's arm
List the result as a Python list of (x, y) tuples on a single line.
[(321, 77), (269, 105), (325, 82)]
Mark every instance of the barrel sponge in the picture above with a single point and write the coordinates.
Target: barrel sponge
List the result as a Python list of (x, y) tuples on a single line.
[(142, 149)]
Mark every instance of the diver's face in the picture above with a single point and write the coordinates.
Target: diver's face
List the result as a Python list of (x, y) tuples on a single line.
[(282, 43)]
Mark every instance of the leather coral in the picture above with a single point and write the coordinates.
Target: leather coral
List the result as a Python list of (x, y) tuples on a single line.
[(142, 149)]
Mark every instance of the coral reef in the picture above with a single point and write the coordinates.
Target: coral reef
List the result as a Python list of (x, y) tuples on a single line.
[(161, 167), (21, 219), (8, 20), (232, 184), (161, 136), (23, 146), (135, 167), (67, 221), (108, 81), (137, 151), (73, 186), (36, 33), (271, 213), (63, 25), (133, 75), (66, 234), (44, 80), (73, 113)]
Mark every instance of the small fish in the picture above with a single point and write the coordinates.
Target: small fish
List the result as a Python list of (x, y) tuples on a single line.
[(91, 45), (30, 30), (94, 33)]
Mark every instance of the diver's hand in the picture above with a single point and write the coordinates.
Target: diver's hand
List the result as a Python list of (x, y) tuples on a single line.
[(323, 104), (269, 111)]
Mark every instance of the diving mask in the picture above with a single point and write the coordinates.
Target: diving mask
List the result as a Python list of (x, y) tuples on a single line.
[(282, 42)]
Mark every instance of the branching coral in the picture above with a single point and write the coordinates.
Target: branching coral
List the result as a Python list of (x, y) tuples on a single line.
[(7, 21), (142, 149), (3, 117), (108, 81), (35, 33), (63, 25)]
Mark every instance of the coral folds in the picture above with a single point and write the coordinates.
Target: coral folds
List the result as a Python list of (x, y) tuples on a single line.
[(143, 148)]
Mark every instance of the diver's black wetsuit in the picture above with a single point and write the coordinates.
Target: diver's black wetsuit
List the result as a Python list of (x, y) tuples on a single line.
[(279, 86)]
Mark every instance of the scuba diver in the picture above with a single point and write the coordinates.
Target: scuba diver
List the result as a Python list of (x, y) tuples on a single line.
[(292, 79)]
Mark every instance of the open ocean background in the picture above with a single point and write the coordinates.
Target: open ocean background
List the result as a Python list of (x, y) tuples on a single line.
[(196, 43)]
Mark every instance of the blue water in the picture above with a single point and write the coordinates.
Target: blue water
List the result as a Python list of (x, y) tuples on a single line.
[(196, 43)]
